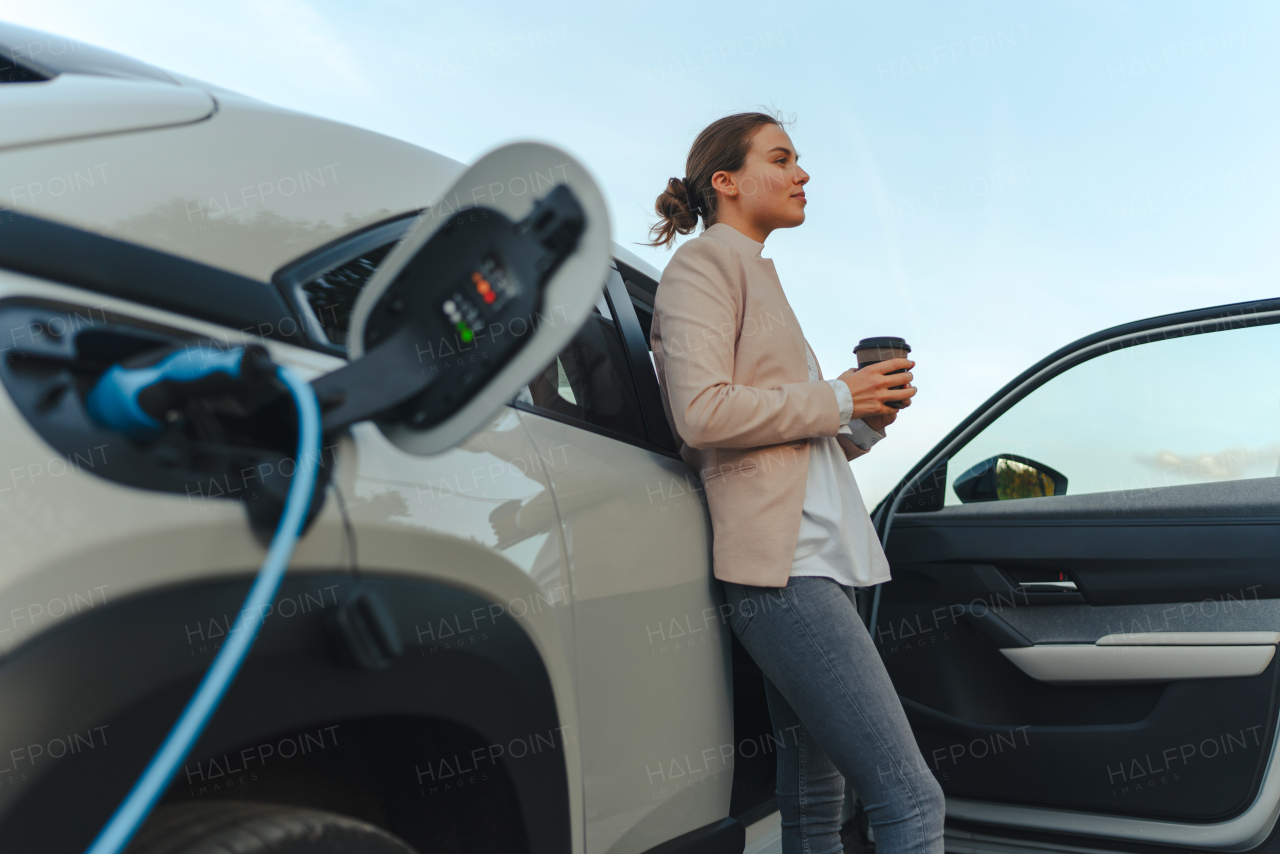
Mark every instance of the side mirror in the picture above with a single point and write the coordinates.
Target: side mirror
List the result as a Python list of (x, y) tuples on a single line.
[(490, 285), (1008, 476)]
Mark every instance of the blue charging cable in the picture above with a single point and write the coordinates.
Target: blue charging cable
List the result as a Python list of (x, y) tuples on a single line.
[(123, 386)]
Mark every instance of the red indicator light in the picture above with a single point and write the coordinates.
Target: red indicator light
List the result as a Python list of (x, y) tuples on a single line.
[(490, 296)]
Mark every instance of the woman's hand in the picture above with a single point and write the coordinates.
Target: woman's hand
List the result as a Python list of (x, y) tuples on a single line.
[(872, 389), (879, 422)]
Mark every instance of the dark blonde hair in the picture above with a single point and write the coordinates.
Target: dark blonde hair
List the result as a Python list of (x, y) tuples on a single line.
[(722, 145)]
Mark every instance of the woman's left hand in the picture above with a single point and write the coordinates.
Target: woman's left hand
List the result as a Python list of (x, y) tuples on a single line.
[(879, 422)]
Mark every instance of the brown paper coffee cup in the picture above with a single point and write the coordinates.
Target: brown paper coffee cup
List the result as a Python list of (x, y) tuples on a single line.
[(872, 350)]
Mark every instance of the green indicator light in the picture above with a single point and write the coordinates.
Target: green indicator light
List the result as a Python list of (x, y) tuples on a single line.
[(465, 333)]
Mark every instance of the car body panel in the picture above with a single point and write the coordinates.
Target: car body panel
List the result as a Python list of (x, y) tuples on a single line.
[(73, 541), (249, 190), (653, 663), (79, 105)]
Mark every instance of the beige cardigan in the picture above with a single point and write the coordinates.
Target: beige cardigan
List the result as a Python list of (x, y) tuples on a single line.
[(731, 363)]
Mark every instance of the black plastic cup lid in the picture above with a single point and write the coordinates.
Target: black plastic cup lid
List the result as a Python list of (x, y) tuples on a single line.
[(883, 343)]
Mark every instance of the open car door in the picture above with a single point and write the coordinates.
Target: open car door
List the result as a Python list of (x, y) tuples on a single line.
[(1085, 600)]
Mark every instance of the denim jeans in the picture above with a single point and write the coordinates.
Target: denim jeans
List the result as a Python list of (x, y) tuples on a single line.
[(836, 716)]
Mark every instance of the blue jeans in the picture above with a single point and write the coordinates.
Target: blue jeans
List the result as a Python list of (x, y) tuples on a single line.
[(836, 716)]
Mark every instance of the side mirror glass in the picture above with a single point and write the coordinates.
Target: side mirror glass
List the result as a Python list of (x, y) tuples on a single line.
[(1008, 476), (480, 295)]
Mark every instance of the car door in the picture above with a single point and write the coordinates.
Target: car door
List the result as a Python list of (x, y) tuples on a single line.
[(1084, 643), (653, 665)]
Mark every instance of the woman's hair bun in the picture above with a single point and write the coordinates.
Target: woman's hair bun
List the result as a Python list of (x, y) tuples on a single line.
[(675, 213)]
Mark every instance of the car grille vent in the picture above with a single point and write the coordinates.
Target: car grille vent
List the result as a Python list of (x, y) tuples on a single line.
[(333, 294)]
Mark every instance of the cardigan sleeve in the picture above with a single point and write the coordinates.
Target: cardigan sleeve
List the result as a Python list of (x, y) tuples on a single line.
[(698, 312)]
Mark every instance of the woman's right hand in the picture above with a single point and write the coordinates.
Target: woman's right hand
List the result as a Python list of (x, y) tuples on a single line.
[(871, 388)]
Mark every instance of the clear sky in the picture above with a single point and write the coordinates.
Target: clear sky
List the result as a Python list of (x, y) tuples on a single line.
[(990, 180)]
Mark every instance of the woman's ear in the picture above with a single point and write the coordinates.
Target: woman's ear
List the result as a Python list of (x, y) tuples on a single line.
[(723, 183)]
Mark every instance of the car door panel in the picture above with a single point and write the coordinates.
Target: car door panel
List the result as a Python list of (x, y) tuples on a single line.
[(652, 648), (1106, 744), (1181, 543), (1101, 662)]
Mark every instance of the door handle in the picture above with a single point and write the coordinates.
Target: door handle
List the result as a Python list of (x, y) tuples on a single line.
[(1026, 592)]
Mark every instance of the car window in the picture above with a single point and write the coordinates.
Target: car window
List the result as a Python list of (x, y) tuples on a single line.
[(1193, 409), (589, 381)]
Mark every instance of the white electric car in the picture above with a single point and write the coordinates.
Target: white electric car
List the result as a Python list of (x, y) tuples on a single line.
[(1085, 670)]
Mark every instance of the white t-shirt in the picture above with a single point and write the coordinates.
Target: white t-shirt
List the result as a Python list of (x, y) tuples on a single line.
[(837, 539)]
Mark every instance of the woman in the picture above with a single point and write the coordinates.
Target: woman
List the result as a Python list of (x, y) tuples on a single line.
[(792, 538)]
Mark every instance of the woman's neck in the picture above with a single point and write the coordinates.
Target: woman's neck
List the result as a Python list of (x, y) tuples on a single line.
[(742, 224)]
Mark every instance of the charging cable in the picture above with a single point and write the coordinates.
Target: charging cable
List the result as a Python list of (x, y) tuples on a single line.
[(125, 383)]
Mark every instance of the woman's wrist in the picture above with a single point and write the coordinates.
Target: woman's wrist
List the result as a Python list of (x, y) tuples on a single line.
[(844, 399), (863, 434)]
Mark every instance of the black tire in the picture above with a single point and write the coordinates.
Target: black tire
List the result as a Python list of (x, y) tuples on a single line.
[(243, 827)]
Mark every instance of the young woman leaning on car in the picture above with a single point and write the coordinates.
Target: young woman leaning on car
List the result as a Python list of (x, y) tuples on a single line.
[(792, 538)]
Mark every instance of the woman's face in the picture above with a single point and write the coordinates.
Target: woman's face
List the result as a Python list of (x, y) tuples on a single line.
[(769, 188)]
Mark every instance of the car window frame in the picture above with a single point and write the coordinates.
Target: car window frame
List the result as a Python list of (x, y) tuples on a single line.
[(631, 335), (644, 375), (1203, 321)]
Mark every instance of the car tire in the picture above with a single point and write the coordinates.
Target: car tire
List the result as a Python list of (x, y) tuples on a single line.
[(243, 827)]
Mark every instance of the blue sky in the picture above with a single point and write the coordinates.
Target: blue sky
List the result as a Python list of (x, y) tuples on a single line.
[(989, 180)]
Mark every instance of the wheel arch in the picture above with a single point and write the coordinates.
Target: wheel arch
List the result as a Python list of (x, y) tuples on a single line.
[(83, 706)]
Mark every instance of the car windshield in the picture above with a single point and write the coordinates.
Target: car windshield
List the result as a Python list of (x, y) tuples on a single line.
[(49, 55)]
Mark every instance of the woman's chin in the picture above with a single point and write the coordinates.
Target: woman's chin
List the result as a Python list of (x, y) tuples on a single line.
[(787, 217)]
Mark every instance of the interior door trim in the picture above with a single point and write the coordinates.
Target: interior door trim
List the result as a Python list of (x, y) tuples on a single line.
[(964, 841), (1189, 639), (1247, 830), (1092, 664)]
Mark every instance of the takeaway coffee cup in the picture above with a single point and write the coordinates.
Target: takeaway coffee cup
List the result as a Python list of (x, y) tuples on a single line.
[(872, 350)]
